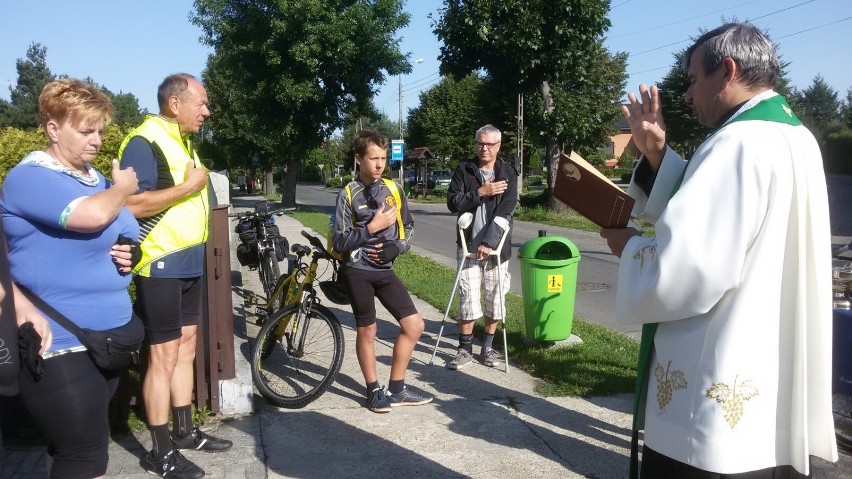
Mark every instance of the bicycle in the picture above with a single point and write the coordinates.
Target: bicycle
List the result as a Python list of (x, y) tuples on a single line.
[(299, 349), (841, 366), (261, 247)]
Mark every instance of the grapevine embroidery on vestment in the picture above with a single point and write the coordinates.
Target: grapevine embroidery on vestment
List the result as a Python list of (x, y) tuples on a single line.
[(732, 398), (640, 255), (668, 382)]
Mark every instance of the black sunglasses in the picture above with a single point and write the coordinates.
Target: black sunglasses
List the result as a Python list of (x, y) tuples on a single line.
[(371, 202)]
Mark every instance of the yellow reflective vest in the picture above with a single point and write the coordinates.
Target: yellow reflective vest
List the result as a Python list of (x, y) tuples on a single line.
[(184, 224)]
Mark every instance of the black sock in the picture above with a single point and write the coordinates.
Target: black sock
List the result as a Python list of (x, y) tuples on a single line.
[(182, 420), (396, 387), (162, 443), (372, 387), (489, 340), (466, 342)]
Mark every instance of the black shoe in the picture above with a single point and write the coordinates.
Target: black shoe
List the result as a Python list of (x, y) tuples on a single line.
[(173, 466), (200, 441), (378, 401)]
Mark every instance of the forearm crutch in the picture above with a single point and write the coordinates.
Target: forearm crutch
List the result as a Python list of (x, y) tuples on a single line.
[(503, 223), (463, 222)]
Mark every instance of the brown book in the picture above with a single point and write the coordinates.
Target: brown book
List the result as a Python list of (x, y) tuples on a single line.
[(586, 190)]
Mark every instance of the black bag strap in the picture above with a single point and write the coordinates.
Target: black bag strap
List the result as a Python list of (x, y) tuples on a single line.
[(53, 313)]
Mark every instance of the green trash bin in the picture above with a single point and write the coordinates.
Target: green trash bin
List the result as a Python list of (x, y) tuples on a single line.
[(549, 283)]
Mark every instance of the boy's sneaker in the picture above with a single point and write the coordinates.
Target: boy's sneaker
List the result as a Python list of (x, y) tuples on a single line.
[(198, 440), (490, 357), (378, 401), (173, 466), (407, 397), (462, 359)]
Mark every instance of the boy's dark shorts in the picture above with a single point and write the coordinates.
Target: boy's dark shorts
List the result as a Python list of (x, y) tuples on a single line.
[(166, 305), (366, 285)]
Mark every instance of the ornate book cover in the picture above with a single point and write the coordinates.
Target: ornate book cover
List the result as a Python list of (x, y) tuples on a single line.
[(587, 191)]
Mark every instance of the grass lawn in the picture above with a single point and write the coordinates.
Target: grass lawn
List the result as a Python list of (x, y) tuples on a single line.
[(604, 364)]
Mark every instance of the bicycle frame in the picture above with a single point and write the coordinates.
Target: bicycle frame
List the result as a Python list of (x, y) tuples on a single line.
[(298, 288), (298, 291)]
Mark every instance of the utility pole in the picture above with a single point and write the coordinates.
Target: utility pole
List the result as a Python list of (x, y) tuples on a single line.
[(401, 137), (520, 144), (400, 106)]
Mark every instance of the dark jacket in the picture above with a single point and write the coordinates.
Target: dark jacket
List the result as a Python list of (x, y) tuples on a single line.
[(462, 198), (350, 223)]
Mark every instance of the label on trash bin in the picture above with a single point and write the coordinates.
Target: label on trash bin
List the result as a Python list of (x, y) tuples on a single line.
[(554, 283)]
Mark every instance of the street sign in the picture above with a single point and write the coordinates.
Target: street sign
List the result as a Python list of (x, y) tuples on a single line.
[(397, 147)]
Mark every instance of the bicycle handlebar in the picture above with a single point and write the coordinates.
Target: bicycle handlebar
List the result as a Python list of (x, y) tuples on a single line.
[(316, 243), (249, 215)]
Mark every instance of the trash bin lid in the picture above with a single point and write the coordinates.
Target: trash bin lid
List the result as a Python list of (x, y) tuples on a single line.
[(549, 248)]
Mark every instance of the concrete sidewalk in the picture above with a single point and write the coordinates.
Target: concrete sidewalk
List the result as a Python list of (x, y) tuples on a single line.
[(482, 423)]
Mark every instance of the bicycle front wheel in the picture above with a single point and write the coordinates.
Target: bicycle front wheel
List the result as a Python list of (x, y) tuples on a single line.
[(304, 358), (842, 406)]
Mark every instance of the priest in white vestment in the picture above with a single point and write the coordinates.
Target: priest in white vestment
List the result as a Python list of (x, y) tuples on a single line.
[(734, 290)]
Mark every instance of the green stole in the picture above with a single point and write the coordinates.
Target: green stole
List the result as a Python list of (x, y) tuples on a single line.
[(774, 109)]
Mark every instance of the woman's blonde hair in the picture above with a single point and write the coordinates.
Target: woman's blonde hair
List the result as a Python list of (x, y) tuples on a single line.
[(74, 100)]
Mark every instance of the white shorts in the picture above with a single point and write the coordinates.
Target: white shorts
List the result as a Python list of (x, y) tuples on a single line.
[(485, 274)]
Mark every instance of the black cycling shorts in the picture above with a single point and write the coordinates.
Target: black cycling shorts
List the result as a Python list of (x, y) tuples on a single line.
[(166, 305), (366, 285)]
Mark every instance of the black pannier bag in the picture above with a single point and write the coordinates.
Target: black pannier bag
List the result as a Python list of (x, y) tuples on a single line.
[(247, 249), (245, 229), (247, 254), (281, 243)]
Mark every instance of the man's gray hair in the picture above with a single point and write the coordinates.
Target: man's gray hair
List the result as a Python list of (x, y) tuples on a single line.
[(744, 43), (487, 129)]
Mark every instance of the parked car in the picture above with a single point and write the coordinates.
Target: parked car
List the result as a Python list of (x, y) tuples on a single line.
[(440, 177)]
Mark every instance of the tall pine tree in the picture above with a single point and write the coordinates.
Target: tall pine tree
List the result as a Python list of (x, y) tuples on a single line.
[(33, 75)]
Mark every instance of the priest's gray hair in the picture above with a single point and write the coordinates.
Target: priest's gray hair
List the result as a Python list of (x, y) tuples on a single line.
[(744, 43), (488, 129)]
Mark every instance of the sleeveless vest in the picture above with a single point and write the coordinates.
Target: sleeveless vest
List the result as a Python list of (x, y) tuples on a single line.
[(185, 223)]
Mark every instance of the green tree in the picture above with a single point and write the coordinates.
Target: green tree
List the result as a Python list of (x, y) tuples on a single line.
[(285, 72), (586, 104), (378, 122), (127, 110), (15, 143), (22, 109), (847, 109), (683, 132), (447, 118), (543, 47), (819, 107)]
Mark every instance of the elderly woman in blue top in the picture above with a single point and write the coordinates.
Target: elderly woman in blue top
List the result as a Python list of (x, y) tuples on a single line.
[(62, 220)]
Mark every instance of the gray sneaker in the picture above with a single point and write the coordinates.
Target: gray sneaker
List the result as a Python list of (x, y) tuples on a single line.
[(407, 397), (462, 359), (490, 357)]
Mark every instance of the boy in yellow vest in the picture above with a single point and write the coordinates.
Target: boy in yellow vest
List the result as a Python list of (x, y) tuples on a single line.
[(372, 227)]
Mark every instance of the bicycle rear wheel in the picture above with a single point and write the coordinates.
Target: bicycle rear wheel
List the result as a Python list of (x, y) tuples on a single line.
[(304, 359), (269, 273)]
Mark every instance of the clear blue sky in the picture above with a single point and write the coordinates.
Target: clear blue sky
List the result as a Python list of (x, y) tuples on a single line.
[(130, 46)]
